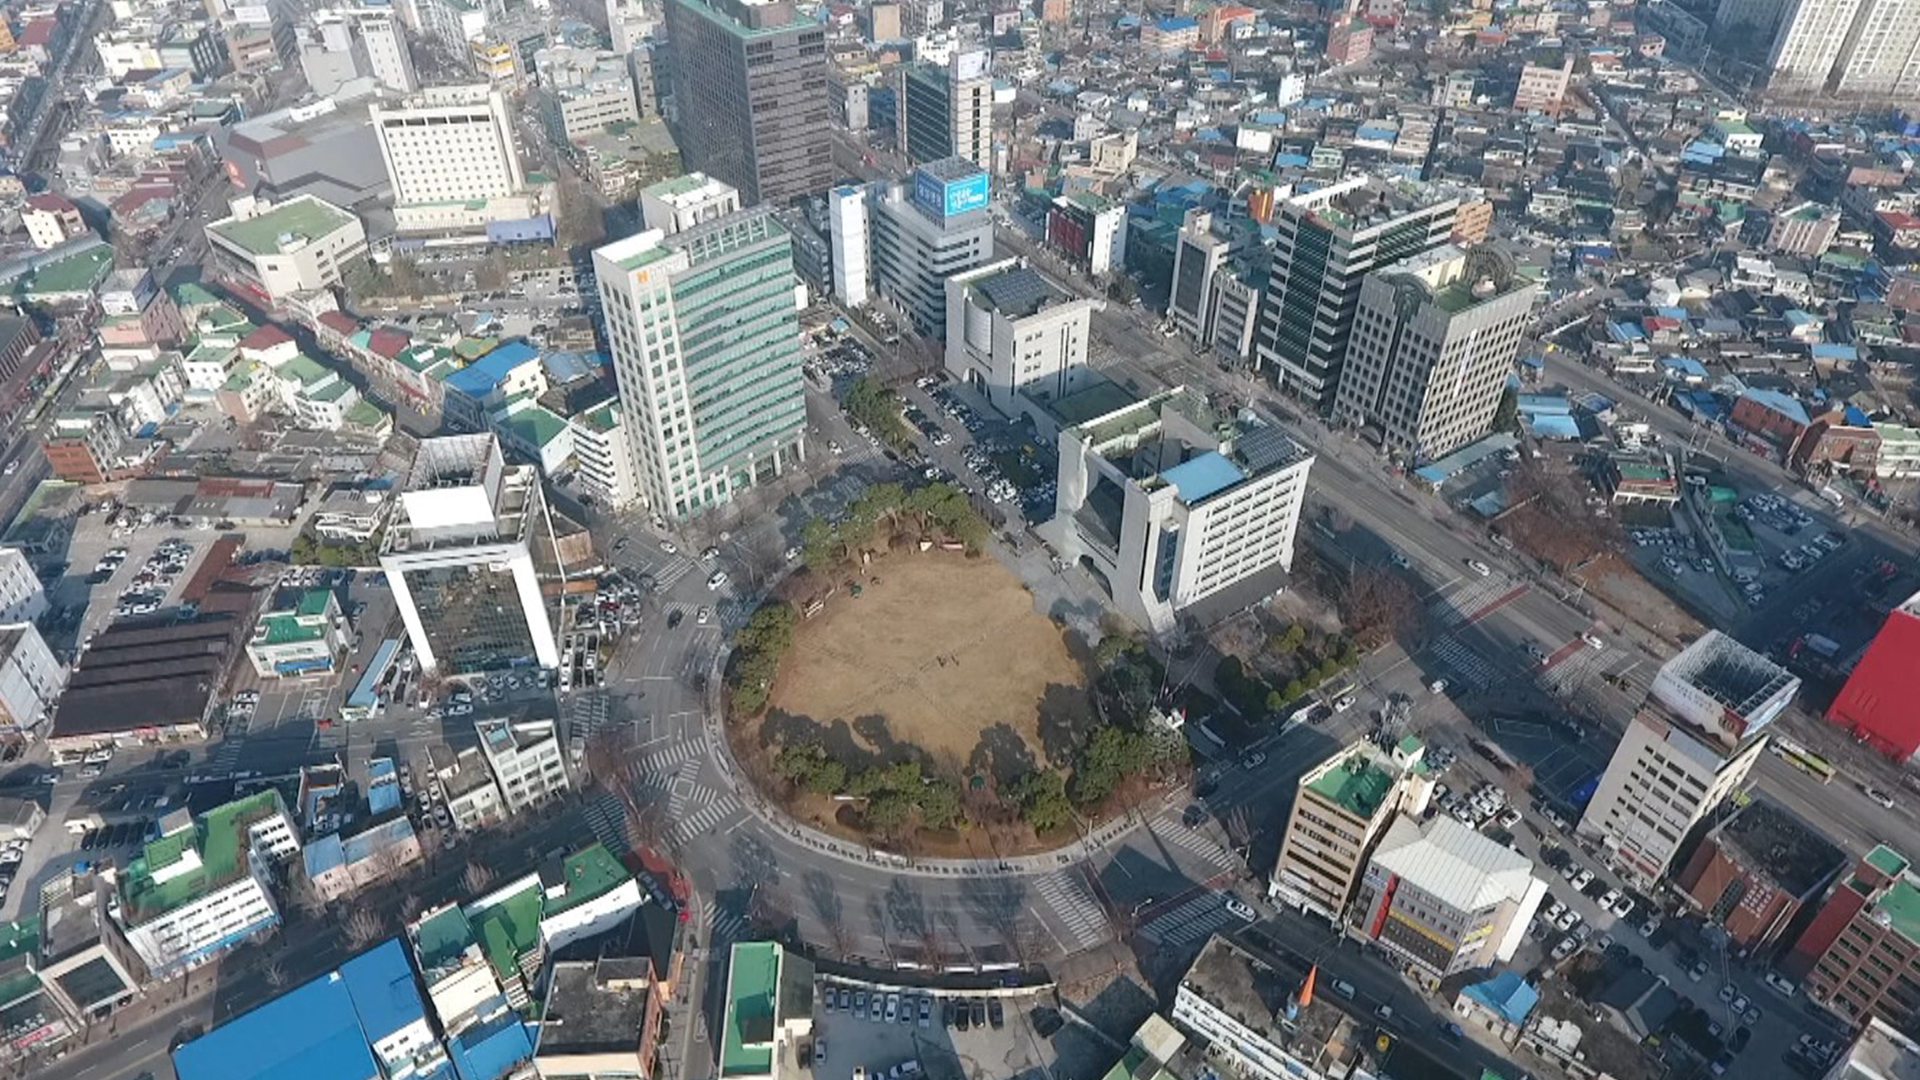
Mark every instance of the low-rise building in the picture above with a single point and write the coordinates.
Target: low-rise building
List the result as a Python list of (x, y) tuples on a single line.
[(30, 679), (309, 637), (527, 760), (23, 596), (1754, 872), (1499, 1006), (1340, 809), (1261, 1022), (206, 884), (84, 960), (339, 867), (768, 1012), (143, 681), (1443, 898), (467, 785), (1012, 334), (607, 995), (275, 251), (1861, 952)]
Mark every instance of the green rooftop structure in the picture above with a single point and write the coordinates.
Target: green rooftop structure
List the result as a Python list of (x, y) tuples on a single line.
[(194, 859), (1887, 861), (509, 929), (769, 1008), (68, 277), (292, 224), (302, 639)]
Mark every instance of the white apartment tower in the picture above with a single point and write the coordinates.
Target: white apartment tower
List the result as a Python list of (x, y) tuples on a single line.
[(449, 144), (1169, 503), (847, 235), (705, 335), (1011, 334), (628, 24), (385, 45), (1851, 48), (22, 596), (1692, 743), (1433, 341)]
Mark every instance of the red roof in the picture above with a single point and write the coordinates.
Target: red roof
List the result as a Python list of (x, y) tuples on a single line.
[(339, 322), (1878, 703), (387, 341), (37, 32), (48, 201), (1899, 219), (265, 337)]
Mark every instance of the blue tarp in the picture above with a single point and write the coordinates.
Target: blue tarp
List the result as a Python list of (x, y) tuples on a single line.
[(1506, 995), (1685, 367)]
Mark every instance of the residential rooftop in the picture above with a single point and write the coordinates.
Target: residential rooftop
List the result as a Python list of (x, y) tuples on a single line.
[(219, 840), (1783, 846), (753, 983)]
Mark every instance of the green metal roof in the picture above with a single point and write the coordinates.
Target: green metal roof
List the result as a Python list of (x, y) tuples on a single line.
[(753, 981), (591, 873), (442, 938), (314, 602), (302, 219), (1901, 904), (78, 272), (366, 414), (18, 939), (281, 628), (305, 369), (1356, 785), (509, 929), (1887, 861), (535, 425)]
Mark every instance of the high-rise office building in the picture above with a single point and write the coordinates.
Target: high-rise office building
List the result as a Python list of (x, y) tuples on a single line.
[(1433, 342), (946, 110), (848, 239), (926, 230), (628, 24), (1328, 241), (750, 85), (449, 144), (1696, 738), (705, 334), (472, 559), (1197, 256), (384, 43)]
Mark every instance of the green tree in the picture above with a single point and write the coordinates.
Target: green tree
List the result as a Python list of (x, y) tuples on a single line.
[(1042, 795), (758, 648), (940, 805), (1506, 415), (818, 546), (1293, 690), (889, 810)]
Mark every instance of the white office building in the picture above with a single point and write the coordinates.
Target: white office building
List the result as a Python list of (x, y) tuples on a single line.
[(682, 202), (384, 42), (1169, 503), (205, 885), (471, 557), (1691, 745), (1013, 334), (1443, 898), (1433, 343), (526, 758), (278, 250), (705, 334), (926, 230), (847, 234), (1235, 1003), (22, 597), (602, 457), (30, 678), (451, 147)]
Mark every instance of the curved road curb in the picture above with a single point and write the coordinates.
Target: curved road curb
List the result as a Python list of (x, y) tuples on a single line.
[(1018, 866)]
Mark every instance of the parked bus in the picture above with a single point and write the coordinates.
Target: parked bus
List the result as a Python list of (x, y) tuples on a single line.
[(1803, 759)]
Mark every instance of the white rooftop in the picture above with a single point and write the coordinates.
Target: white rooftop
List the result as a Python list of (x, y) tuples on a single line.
[(1457, 865)]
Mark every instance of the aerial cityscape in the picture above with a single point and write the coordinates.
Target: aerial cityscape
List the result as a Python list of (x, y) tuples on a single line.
[(959, 539)]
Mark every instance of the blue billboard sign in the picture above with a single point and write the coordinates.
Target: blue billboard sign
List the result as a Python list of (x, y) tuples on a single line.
[(950, 198)]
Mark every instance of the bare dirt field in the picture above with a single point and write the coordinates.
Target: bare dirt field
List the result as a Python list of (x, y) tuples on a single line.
[(946, 656)]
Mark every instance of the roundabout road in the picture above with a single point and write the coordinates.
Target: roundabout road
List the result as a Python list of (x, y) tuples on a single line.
[(748, 860)]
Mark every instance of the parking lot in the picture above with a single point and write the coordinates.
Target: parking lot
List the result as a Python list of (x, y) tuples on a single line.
[(898, 1033)]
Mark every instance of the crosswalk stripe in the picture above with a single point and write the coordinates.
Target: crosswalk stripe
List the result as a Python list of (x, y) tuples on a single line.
[(1197, 843), (1068, 898)]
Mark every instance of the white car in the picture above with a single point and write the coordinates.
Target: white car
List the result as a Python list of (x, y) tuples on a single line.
[(1240, 909), (1593, 641), (1607, 899), (667, 547), (716, 579), (1885, 800), (1479, 567), (1623, 907), (1568, 919), (1583, 879)]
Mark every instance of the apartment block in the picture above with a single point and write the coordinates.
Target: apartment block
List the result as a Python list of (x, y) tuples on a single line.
[(1434, 339), (23, 598), (705, 336), (1012, 334), (1341, 807), (1328, 241), (1443, 898), (308, 636), (1171, 503), (602, 455), (1689, 747)]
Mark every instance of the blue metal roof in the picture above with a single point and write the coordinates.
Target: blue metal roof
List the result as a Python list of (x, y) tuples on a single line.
[(1507, 995), (308, 1033), (487, 1050), (478, 379), (1203, 476), (1780, 403), (381, 984), (1551, 426), (363, 693)]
